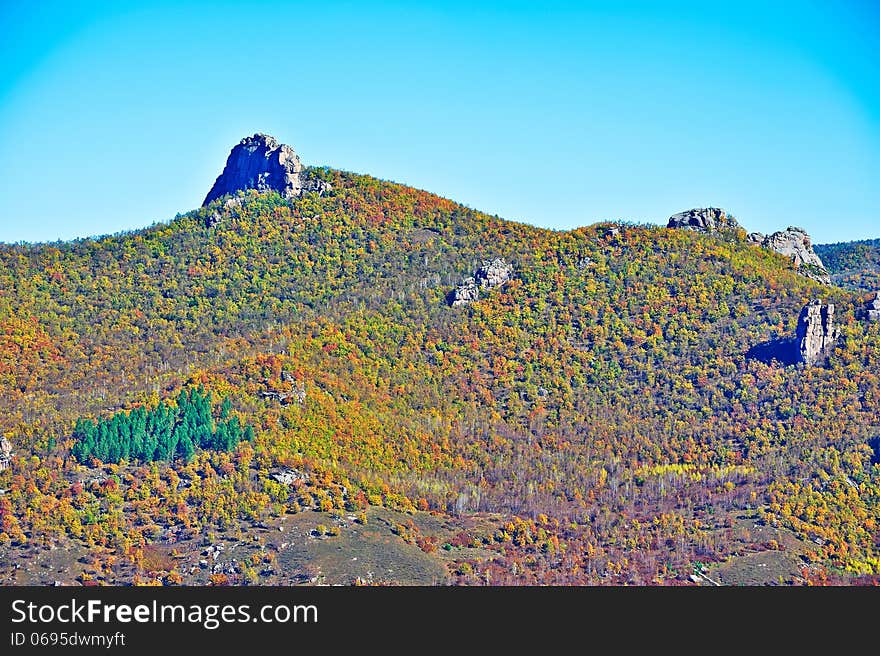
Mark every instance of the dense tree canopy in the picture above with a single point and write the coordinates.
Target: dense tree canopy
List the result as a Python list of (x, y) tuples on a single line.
[(164, 433), (600, 406)]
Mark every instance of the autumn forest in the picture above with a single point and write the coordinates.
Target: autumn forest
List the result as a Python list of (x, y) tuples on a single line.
[(242, 393)]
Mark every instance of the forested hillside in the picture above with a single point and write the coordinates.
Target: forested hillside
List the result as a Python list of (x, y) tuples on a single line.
[(593, 420), (854, 264)]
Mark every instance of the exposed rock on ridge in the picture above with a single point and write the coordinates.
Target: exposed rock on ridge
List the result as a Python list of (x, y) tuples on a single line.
[(704, 219), (491, 274), (260, 162), (792, 242), (795, 243)]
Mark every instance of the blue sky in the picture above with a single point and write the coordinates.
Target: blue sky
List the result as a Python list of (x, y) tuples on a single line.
[(116, 115)]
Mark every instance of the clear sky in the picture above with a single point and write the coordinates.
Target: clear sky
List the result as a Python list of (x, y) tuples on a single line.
[(116, 115)]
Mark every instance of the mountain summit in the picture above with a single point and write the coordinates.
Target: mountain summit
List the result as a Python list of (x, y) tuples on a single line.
[(260, 162)]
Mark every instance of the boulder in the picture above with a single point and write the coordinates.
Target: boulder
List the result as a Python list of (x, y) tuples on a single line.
[(260, 162), (710, 220), (466, 292), (494, 273), (288, 476)]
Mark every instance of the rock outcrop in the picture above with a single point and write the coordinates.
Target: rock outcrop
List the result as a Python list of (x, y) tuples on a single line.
[(5, 453), (260, 162), (871, 311), (704, 219), (288, 476), (491, 274), (814, 338), (494, 273), (795, 244), (816, 333)]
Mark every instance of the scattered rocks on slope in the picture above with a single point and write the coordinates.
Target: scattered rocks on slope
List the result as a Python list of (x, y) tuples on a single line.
[(292, 390), (296, 395), (795, 243), (260, 162), (491, 274), (814, 338), (288, 476), (5, 453), (704, 219)]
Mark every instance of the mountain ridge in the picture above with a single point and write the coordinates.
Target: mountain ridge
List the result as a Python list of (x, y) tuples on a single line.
[(595, 419)]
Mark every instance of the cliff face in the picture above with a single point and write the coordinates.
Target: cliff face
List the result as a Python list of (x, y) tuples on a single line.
[(816, 333), (260, 162), (813, 341)]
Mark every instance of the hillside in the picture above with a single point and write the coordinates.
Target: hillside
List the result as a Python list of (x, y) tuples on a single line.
[(854, 265), (594, 419)]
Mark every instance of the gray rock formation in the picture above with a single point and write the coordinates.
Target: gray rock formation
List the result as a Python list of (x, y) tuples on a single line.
[(288, 476), (467, 292), (491, 274), (816, 333), (814, 338), (871, 311), (795, 244), (260, 162), (704, 219), (5, 453), (494, 273)]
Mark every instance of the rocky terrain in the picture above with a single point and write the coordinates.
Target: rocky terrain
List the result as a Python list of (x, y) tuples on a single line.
[(871, 311), (816, 333)]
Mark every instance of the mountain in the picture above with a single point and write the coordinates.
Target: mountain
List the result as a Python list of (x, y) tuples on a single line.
[(281, 388)]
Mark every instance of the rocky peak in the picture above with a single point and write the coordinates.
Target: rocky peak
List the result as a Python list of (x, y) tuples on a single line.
[(816, 333), (260, 162), (795, 244), (704, 219)]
